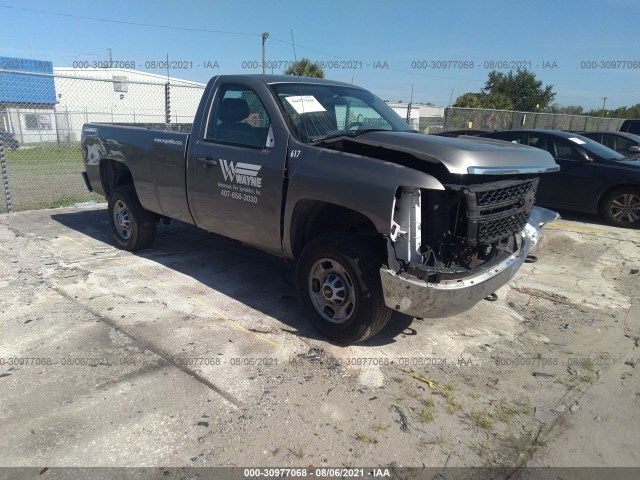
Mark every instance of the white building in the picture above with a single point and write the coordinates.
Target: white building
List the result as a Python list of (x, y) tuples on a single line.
[(413, 111), (41, 103), (416, 111), (120, 96)]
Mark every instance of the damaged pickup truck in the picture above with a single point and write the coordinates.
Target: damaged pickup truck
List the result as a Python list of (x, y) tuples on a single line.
[(378, 217)]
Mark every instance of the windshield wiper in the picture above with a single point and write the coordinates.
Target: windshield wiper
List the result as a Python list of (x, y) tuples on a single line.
[(357, 133), (350, 134)]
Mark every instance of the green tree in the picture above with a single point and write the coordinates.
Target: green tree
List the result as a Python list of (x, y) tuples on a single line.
[(468, 100), (568, 109), (498, 101), (523, 89), (305, 68), (620, 112)]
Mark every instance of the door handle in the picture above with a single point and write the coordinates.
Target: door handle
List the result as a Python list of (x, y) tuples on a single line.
[(207, 161)]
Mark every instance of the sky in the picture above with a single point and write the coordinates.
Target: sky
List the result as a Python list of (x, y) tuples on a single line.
[(439, 49)]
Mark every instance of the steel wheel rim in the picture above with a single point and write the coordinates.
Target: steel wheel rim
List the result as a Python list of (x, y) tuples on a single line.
[(625, 208), (122, 219), (332, 291)]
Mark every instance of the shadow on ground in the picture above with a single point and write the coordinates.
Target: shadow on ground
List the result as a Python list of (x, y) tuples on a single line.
[(587, 218), (259, 280)]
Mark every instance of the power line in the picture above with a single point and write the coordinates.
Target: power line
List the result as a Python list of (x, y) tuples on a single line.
[(124, 22), (224, 32)]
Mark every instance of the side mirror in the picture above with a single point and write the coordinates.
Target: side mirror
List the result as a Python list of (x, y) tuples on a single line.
[(634, 148)]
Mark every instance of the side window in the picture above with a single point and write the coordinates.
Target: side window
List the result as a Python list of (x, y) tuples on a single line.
[(622, 145), (238, 117), (609, 141), (538, 142), (634, 127), (561, 150), (597, 137)]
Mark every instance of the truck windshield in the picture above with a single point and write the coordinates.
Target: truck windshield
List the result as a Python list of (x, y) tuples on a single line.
[(316, 112)]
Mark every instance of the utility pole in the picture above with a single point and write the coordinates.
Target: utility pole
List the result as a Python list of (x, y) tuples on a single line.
[(265, 35), (110, 59), (410, 105), (604, 100)]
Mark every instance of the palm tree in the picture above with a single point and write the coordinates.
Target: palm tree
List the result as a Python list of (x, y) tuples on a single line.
[(305, 68)]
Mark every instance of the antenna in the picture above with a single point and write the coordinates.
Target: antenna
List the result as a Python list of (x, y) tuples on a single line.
[(410, 106), (294, 46), (295, 58)]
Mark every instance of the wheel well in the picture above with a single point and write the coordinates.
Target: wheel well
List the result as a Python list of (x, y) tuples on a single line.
[(604, 194), (114, 174), (313, 218)]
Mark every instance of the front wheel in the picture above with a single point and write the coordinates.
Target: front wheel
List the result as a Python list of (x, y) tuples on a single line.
[(621, 207), (338, 281), (133, 227)]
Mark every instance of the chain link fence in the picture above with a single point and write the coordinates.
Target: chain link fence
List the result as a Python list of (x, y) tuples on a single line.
[(457, 118), (431, 125), (41, 118)]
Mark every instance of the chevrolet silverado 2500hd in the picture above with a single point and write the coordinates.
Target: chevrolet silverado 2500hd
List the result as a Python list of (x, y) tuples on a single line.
[(377, 216)]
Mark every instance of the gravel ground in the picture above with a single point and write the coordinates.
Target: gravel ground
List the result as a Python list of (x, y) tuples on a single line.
[(196, 353)]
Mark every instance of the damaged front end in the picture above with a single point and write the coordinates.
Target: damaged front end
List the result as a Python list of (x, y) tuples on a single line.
[(451, 248)]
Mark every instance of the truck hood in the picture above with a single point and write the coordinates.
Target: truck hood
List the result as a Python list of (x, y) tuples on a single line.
[(462, 155)]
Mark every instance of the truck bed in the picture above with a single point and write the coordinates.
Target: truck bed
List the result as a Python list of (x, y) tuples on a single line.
[(155, 157)]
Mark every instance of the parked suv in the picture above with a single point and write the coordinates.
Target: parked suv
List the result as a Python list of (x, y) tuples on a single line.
[(631, 126)]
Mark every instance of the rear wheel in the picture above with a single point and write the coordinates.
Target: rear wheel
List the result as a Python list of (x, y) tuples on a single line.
[(621, 207), (338, 282), (133, 227)]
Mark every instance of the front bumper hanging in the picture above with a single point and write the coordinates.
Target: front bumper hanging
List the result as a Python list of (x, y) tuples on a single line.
[(413, 296)]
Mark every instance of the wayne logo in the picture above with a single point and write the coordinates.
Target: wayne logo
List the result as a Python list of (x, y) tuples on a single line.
[(241, 173)]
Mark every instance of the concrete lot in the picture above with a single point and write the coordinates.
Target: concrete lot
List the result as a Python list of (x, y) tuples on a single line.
[(196, 353)]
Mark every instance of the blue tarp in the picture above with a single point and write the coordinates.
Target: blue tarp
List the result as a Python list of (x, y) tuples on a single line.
[(21, 88)]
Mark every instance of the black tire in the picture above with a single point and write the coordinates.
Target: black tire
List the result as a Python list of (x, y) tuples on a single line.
[(338, 282), (133, 227), (621, 207)]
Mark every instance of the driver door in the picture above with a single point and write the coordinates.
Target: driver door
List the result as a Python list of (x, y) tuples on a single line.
[(236, 170)]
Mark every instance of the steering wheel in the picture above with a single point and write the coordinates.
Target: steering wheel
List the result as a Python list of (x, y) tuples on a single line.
[(348, 126)]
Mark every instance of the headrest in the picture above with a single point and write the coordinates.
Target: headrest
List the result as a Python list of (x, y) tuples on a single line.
[(234, 109)]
